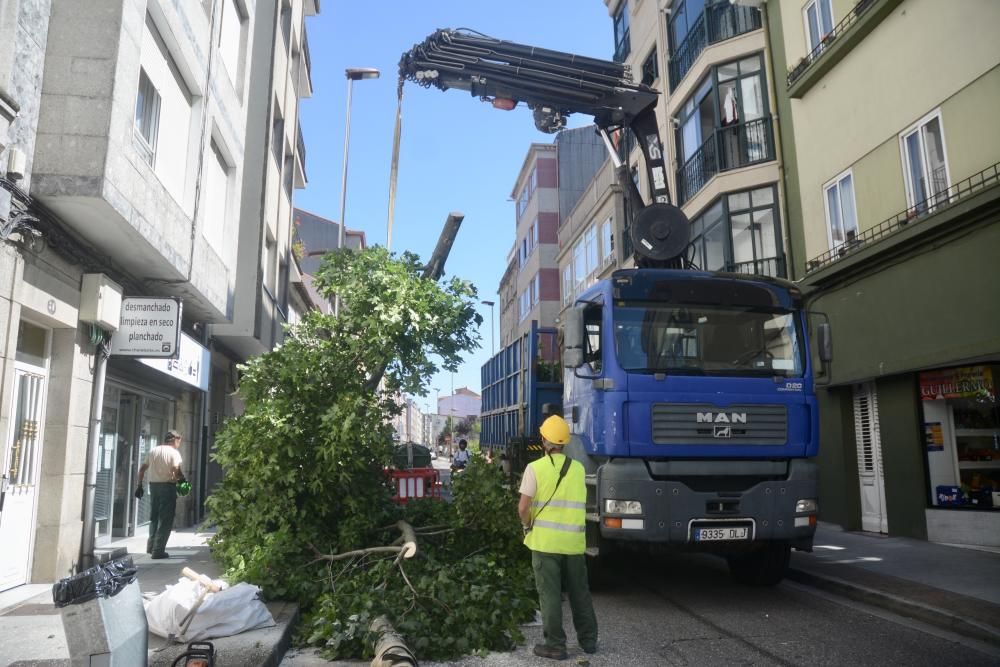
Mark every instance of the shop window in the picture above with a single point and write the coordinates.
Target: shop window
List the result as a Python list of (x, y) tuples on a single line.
[(961, 414)]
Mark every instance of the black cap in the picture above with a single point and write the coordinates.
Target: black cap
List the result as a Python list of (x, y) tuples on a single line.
[(172, 435)]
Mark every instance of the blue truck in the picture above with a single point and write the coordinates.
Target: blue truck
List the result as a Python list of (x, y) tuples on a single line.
[(691, 394)]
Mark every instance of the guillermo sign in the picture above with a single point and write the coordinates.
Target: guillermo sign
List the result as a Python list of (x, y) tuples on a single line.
[(150, 327)]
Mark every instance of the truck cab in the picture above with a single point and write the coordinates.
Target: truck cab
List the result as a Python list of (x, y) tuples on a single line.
[(692, 397)]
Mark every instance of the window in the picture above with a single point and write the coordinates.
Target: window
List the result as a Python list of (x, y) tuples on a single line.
[(163, 109), (231, 41), (607, 241), (592, 337), (533, 181), (215, 226), (724, 125), (270, 263), (818, 17), (739, 232), (925, 168), (147, 117), (525, 308), (567, 283), (533, 290), (650, 69), (590, 243), (533, 235), (277, 134), (685, 17), (752, 217), (708, 233), (286, 23), (621, 24), (841, 216), (579, 264)]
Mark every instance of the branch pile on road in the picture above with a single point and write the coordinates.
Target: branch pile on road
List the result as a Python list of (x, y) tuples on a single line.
[(305, 511)]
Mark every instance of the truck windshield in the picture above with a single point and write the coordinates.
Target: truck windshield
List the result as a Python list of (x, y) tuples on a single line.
[(706, 340)]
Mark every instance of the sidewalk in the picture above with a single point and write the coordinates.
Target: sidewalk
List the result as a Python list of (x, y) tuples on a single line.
[(31, 631), (952, 587)]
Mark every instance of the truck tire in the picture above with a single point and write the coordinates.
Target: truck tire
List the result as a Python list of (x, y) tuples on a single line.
[(764, 567)]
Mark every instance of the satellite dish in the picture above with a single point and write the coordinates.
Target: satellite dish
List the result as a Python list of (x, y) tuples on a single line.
[(660, 233)]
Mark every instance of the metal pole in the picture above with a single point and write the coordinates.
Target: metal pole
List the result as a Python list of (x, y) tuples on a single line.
[(493, 340), (343, 182), (93, 455), (394, 170)]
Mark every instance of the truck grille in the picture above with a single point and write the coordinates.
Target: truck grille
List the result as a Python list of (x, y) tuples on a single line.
[(695, 424)]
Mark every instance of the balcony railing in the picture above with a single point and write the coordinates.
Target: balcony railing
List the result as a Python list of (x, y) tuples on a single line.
[(717, 23), (770, 266), (730, 147), (944, 198), (845, 24)]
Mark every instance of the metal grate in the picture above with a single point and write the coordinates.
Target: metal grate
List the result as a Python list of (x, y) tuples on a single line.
[(678, 424), (912, 215)]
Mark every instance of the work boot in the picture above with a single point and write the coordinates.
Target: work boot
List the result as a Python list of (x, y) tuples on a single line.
[(551, 652)]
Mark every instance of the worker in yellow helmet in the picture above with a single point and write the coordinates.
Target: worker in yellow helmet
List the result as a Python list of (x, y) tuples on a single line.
[(553, 512)]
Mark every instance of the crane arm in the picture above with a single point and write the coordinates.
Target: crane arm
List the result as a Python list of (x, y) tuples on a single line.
[(555, 84)]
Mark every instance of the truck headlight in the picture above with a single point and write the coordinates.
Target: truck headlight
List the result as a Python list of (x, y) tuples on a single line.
[(622, 506), (806, 505)]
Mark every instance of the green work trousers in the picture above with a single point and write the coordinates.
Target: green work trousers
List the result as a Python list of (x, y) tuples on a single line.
[(555, 573), (162, 502)]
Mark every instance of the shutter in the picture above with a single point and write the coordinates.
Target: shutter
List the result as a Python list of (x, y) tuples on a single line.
[(866, 428)]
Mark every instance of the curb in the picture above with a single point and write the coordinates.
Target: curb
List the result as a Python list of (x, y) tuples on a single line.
[(930, 615)]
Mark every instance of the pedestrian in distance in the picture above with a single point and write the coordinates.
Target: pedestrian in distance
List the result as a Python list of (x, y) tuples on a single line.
[(164, 465), (461, 458), (552, 510)]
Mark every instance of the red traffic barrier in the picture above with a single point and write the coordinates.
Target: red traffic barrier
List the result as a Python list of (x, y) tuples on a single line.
[(415, 483)]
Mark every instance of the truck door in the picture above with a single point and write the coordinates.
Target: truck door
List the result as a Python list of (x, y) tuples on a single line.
[(583, 403)]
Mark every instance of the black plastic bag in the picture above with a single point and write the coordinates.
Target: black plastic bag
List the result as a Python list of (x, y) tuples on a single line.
[(103, 581)]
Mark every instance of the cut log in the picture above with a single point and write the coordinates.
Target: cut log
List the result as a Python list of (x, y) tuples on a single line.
[(390, 649)]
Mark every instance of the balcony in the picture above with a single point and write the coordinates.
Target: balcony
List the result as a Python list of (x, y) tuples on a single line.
[(717, 23), (858, 22), (770, 266), (732, 147), (912, 218)]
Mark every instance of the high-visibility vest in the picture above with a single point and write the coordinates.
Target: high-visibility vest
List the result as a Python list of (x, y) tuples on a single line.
[(561, 525)]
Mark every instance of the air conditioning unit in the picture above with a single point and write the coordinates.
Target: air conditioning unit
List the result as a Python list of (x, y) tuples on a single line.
[(101, 301)]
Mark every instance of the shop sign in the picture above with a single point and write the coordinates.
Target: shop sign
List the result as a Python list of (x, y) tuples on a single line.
[(967, 382), (150, 327), (191, 365)]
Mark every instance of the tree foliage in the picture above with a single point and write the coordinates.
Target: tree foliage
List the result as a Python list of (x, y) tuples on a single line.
[(305, 472)]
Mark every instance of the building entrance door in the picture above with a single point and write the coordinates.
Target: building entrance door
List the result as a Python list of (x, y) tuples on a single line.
[(22, 457), (871, 475)]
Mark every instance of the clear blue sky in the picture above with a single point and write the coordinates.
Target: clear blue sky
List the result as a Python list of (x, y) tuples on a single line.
[(457, 153)]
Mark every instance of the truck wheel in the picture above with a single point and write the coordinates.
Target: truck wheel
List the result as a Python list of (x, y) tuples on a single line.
[(765, 567)]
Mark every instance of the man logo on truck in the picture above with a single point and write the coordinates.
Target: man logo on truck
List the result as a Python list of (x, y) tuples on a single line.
[(722, 418)]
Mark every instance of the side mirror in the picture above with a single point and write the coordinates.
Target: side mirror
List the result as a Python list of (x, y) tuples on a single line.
[(573, 337), (824, 342)]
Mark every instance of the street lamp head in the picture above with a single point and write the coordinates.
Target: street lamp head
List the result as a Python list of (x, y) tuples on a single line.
[(488, 303), (356, 73)]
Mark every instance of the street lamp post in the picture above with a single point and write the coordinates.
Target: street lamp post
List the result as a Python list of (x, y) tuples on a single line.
[(493, 341), (352, 74)]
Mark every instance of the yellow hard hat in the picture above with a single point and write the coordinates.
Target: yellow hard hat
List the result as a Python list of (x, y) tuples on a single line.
[(555, 430)]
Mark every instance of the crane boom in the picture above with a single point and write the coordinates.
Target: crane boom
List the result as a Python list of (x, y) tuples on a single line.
[(555, 84)]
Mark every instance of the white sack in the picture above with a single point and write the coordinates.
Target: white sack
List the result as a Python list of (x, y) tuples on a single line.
[(231, 611)]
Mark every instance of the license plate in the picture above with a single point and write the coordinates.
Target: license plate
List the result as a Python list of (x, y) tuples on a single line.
[(721, 534)]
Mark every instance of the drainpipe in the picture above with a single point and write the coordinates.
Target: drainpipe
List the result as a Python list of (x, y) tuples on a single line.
[(786, 236), (101, 341)]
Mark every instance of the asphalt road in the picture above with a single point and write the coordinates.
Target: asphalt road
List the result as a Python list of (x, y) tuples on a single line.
[(684, 610)]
